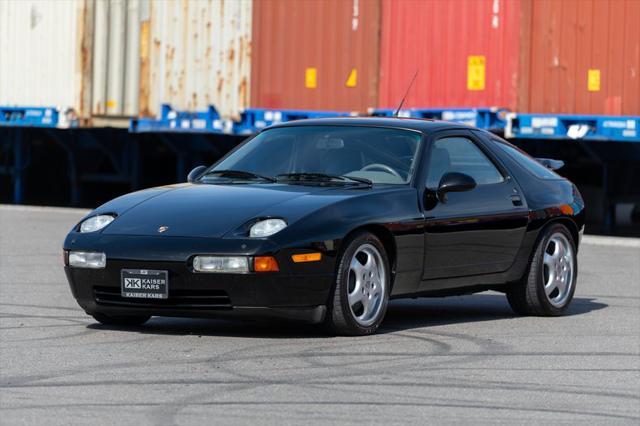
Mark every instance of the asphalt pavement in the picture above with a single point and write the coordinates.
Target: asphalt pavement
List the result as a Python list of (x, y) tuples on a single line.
[(466, 360)]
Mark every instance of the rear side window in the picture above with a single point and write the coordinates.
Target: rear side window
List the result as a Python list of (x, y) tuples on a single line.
[(528, 162), (459, 154)]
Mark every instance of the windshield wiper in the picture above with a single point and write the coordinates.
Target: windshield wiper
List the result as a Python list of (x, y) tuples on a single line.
[(322, 177), (241, 174)]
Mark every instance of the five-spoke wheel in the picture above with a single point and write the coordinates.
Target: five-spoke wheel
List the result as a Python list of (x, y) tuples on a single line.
[(548, 285), (558, 269), (361, 292), (366, 284)]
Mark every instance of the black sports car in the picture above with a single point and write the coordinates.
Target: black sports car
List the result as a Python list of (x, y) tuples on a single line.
[(326, 220)]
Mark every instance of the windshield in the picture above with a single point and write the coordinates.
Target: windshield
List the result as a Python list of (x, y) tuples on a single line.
[(350, 153)]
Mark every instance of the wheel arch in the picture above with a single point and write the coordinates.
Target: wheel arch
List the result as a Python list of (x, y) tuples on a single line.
[(566, 221), (569, 224), (386, 238), (523, 296)]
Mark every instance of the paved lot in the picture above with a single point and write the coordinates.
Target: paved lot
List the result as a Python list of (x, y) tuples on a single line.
[(460, 360)]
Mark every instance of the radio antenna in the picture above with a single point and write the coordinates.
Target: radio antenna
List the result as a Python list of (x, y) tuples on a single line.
[(395, 114)]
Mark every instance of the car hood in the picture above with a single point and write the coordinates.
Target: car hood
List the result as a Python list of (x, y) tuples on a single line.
[(206, 210)]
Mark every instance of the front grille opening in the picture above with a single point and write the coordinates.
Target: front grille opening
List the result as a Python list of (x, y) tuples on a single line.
[(178, 299)]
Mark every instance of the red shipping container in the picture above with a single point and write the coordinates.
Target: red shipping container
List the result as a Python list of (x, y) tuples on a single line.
[(544, 56), (466, 52), (310, 54)]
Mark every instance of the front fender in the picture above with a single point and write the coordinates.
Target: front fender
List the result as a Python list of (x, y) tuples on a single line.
[(397, 211)]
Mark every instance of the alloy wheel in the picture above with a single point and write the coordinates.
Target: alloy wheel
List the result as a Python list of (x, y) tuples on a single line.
[(558, 269), (366, 284)]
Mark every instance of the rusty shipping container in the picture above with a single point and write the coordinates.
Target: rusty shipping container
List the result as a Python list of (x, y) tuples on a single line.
[(190, 54), (581, 56), (320, 55), (110, 59), (544, 56), (196, 53)]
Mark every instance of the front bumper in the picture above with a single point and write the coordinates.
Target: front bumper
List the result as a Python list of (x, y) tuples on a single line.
[(204, 295), (299, 291)]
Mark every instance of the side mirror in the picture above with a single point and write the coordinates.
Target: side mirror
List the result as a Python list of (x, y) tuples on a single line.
[(195, 173), (454, 182)]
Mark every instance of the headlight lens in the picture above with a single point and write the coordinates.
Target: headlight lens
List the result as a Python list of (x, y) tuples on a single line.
[(96, 223), (223, 264), (87, 259), (267, 227)]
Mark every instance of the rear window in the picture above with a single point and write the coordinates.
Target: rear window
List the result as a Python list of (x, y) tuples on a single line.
[(527, 161)]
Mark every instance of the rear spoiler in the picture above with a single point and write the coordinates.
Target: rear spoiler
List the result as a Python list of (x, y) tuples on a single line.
[(551, 163)]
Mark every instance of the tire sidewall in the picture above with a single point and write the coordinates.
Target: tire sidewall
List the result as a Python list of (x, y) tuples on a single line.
[(542, 296), (342, 280)]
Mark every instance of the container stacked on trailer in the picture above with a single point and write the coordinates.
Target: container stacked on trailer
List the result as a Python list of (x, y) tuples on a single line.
[(113, 60), (567, 70), (125, 58)]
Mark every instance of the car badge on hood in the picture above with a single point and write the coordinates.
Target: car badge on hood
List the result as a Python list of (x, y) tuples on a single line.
[(162, 229)]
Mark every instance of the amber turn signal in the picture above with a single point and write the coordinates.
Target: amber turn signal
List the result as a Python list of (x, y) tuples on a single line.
[(306, 257), (566, 209), (265, 264)]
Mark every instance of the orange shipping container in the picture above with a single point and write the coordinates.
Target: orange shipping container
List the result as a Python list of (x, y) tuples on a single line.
[(315, 54), (582, 56)]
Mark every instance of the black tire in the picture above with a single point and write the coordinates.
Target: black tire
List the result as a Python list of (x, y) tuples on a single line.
[(528, 296), (120, 321), (340, 316)]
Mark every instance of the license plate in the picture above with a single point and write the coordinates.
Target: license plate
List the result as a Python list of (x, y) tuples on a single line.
[(145, 283)]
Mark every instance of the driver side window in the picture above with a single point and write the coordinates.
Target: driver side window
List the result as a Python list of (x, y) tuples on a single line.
[(459, 154)]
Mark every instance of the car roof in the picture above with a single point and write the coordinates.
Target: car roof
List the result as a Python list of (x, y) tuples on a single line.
[(419, 124)]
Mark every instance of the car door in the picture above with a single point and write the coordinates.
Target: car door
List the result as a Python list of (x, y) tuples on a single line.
[(477, 231)]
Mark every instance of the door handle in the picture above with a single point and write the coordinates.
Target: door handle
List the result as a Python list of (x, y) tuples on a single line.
[(516, 200)]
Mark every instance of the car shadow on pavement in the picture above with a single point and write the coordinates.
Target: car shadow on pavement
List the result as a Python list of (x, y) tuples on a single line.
[(270, 329), (416, 313), (404, 314)]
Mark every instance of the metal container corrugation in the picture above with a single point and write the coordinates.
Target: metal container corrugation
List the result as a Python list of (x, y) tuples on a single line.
[(198, 53), (43, 61), (315, 55), (583, 57), (116, 56), (449, 42), (121, 58), (541, 56)]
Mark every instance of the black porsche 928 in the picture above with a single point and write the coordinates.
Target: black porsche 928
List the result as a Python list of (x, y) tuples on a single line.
[(326, 220)]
